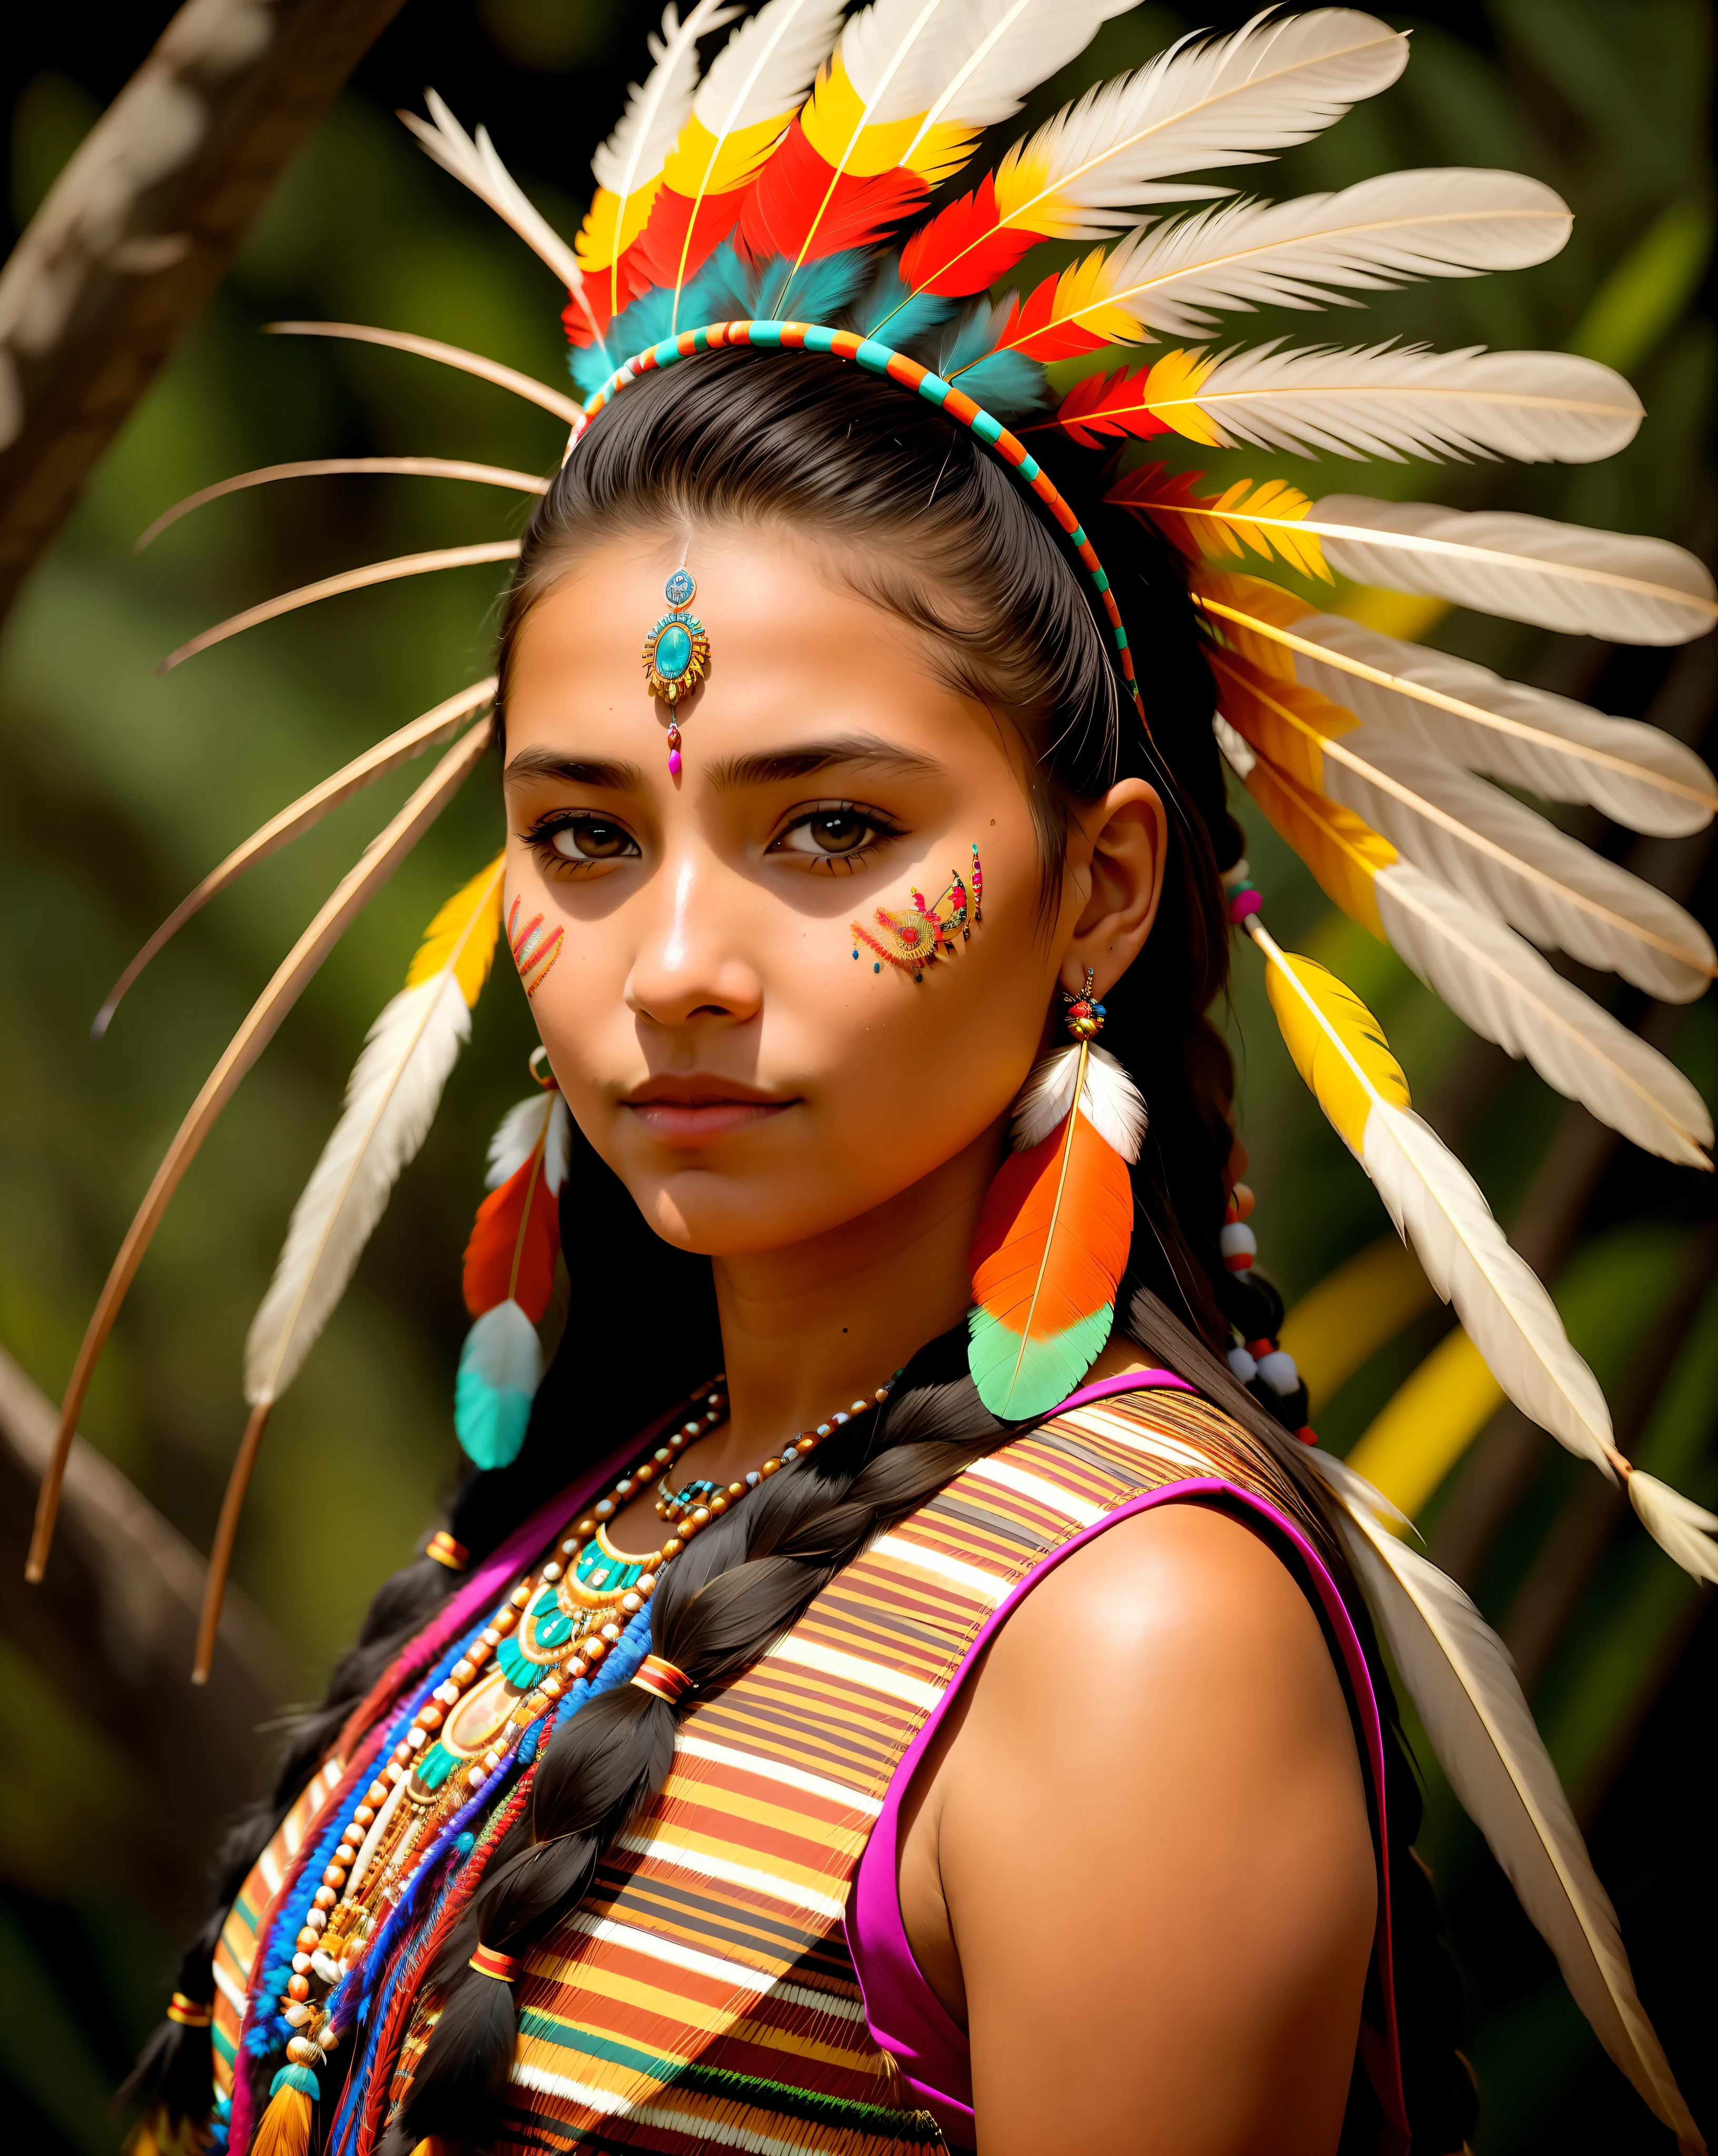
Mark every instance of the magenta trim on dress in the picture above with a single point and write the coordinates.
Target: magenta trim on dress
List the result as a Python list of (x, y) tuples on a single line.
[(905, 2016), (1131, 1381)]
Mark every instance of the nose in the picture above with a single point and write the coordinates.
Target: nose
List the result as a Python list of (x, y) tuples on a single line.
[(686, 967)]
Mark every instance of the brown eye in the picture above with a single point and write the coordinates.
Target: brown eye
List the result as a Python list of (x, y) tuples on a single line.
[(838, 830), (592, 841)]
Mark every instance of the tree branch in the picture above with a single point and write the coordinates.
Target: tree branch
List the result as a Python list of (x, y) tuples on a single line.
[(138, 230)]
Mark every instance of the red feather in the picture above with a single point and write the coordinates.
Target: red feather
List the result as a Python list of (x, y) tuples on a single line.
[(1153, 487), (1108, 404), (514, 1242), (790, 207), (659, 246), (963, 249), (633, 278), (1032, 328)]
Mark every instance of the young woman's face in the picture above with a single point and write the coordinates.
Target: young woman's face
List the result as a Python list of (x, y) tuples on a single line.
[(751, 1081)]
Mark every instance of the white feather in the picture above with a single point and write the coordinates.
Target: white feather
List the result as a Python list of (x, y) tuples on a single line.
[(998, 51), (1110, 1099), (1526, 568), (503, 1349), (1198, 106), (1682, 1529), (391, 1102), (1405, 401), (543, 1121), (658, 107), (1509, 861), (896, 54), (1470, 1703), (1498, 984), (1372, 237), (476, 164), (767, 65), (1637, 774), (1441, 1213)]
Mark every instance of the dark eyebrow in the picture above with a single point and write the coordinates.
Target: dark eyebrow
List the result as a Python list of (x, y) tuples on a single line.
[(542, 763), (770, 767)]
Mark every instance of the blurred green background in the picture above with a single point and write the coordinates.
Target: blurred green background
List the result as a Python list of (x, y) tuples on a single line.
[(120, 788)]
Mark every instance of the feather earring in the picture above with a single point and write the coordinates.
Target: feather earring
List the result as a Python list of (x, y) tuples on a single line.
[(1054, 1237), (509, 1276)]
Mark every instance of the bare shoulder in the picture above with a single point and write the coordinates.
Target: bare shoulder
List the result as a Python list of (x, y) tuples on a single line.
[(1163, 1712), (1182, 1592)]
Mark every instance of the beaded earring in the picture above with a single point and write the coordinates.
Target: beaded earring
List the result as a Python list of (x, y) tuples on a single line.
[(916, 939), (676, 654)]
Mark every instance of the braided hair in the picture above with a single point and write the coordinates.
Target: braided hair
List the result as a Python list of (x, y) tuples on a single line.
[(928, 525)]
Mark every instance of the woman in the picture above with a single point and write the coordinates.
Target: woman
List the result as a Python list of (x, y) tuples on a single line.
[(909, 1687)]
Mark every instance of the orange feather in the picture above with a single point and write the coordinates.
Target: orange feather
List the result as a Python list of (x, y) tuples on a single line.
[(514, 1242), (1051, 1248)]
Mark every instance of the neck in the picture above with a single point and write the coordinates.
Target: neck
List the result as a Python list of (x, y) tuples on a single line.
[(811, 1328)]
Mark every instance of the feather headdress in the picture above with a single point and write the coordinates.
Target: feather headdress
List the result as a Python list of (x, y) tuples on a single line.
[(801, 196)]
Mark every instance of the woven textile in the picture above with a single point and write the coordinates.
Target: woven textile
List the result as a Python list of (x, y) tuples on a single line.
[(703, 1997)]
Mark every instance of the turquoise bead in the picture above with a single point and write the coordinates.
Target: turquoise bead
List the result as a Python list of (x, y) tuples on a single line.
[(674, 651)]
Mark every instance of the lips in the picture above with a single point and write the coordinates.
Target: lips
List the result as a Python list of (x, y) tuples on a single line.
[(696, 1111)]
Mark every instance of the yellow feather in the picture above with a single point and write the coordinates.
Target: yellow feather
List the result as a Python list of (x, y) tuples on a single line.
[(1264, 517), (463, 934), (836, 125), (1338, 1046), (1083, 295), (1247, 611), (1283, 719), (1172, 392), (1342, 852)]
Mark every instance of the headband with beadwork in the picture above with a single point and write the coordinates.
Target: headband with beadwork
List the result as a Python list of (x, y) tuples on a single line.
[(880, 359)]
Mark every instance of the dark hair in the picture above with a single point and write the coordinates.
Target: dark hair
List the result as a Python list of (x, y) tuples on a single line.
[(926, 522)]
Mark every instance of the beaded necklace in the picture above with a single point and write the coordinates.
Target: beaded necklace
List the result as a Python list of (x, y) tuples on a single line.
[(538, 1655)]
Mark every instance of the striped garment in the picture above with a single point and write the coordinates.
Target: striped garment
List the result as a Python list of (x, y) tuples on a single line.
[(703, 1997), (235, 1952)]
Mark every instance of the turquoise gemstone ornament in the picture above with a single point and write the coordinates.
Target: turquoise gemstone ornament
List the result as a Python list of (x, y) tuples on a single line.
[(676, 653)]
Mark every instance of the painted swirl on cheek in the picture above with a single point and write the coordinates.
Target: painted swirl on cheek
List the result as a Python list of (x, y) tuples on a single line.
[(915, 940)]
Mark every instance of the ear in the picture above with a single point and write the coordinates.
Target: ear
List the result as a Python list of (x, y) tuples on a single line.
[(1118, 857)]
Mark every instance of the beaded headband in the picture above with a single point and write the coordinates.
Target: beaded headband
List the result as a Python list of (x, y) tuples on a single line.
[(882, 359)]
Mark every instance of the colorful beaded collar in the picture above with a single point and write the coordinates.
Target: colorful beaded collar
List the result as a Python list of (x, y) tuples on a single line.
[(882, 359)]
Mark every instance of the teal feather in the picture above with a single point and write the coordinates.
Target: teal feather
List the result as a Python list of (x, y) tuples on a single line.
[(634, 329), (899, 322), (488, 1420), (1014, 1386), (299, 2078), (967, 340), (1008, 384), (819, 290), (720, 292)]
